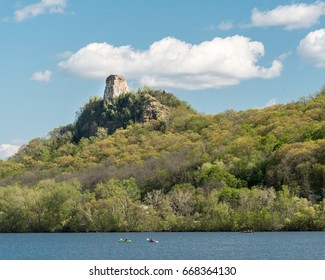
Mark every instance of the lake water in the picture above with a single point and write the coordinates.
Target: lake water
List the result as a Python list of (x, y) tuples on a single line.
[(171, 246)]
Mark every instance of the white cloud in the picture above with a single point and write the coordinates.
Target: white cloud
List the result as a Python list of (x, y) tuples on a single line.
[(64, 55), (293, 16), (271, 102), (312, 48), (42, 7), (284, 56), (42, 76), (226, 25), (176, 64), (7, 150)]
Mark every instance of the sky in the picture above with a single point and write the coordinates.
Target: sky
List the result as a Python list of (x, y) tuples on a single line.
[(216, 55)]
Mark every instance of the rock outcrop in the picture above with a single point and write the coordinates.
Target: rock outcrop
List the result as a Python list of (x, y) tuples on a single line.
[(150, 108), (115, 86), (154, 110)]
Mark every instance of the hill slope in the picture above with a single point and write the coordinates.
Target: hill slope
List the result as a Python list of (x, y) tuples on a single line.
[(147, 161)]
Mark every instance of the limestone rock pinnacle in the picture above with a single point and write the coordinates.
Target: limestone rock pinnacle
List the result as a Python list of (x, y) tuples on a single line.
[(115, 86)]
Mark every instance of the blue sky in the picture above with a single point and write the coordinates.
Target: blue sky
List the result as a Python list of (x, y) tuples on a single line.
[(217, 55)]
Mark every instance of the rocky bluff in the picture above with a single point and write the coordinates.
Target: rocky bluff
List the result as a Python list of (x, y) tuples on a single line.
[(115, 86), (152, 109)]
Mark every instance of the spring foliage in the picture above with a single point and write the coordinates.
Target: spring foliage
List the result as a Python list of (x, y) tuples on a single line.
[(147, 161)]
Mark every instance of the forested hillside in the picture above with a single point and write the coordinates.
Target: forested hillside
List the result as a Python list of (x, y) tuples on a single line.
[(146, 161)]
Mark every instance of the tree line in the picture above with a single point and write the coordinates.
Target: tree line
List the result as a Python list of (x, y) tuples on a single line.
[(117, 205)]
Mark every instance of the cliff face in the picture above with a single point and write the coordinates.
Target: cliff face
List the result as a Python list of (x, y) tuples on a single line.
[(154, 110), (151, 109), (115, 86)]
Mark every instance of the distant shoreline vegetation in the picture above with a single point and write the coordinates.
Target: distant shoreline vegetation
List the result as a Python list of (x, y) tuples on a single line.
[(146, 161), (116, 206)]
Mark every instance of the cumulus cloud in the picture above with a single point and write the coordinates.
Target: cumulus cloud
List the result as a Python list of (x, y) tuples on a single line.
[(176, 64), (42, 7), (312, 48), (44, 76), (7, 150), (293, 16)]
